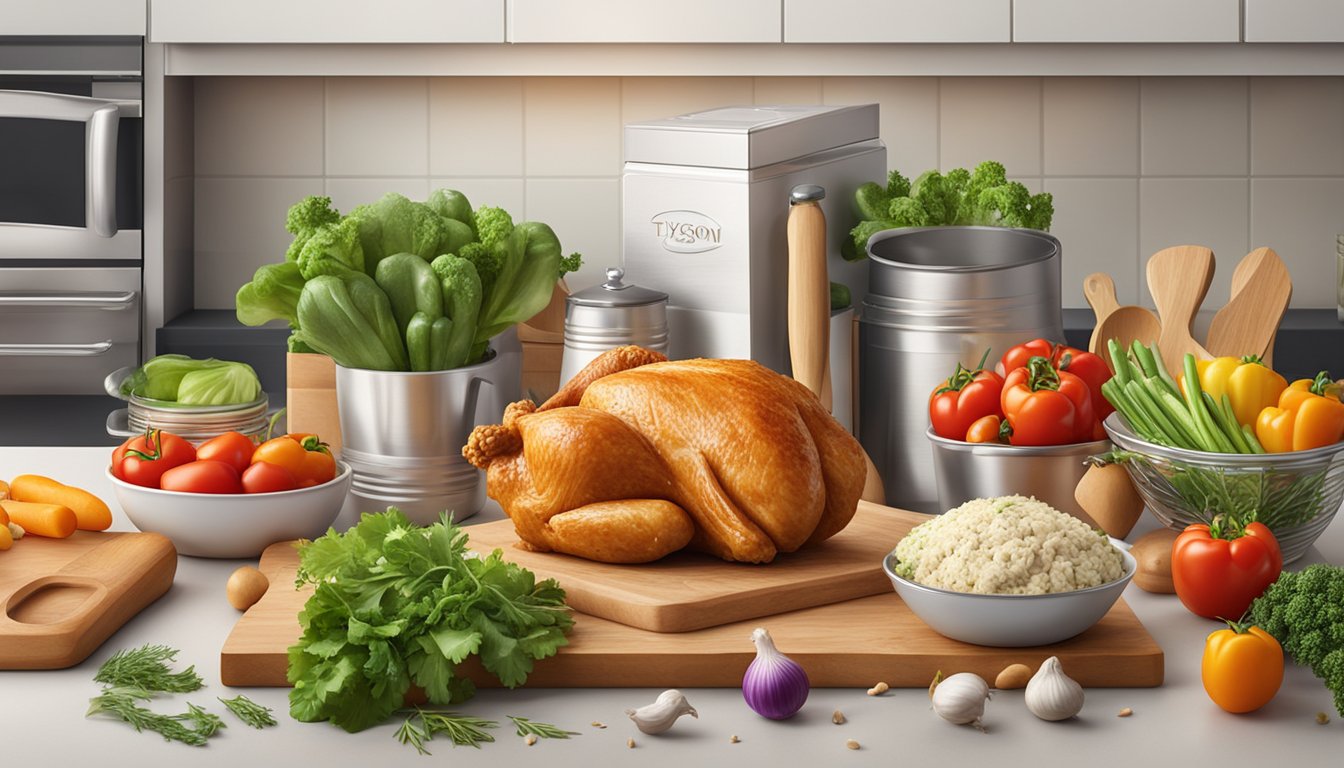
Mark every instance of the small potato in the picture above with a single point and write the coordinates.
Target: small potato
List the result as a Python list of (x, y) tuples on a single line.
[(246, 586), (1152, 552), (1013, 676), (1107, 495)]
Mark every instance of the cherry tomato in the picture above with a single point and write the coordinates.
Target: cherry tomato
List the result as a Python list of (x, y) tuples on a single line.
[(962, 398), (202, 477), (232, 448), (281, 451), (144, 459), (265, 477), (985, 430)]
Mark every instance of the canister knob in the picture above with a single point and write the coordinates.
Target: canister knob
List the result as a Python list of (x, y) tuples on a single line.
[(614, 276), (806, 193)]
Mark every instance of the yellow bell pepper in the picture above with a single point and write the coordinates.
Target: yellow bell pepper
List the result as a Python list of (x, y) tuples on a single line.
[(1249, 384), (1309, 415)]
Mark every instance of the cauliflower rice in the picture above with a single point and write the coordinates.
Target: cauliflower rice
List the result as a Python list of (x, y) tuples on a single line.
[(1010, 545)]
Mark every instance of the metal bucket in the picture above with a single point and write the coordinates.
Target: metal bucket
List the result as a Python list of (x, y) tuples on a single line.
[(938, 296), (402, 433)]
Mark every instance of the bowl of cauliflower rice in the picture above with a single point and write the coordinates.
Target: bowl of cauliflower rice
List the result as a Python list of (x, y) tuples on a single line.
[(1008, 571)]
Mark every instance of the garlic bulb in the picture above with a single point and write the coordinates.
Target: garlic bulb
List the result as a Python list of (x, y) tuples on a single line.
[(663, 712), (1053, 695), (774, 686), (961, 698)]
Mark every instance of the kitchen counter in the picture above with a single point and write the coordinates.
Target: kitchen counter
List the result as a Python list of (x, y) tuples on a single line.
[(42, 713)]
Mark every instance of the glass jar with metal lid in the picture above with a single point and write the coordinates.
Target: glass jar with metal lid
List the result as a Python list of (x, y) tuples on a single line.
[(611, 315)]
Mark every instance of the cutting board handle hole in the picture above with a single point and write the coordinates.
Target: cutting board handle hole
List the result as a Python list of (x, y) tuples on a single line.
[(50, 601)]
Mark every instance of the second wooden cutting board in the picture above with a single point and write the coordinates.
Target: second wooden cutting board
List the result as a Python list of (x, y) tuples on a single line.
[(688, 591)]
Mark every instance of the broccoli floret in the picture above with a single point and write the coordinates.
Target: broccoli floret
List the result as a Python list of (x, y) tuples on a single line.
[(1041, 211), (1304, 611), (492, 225), (570, 263), (306, 217), (334, 249), (485, 260), (1003, 206), (986, 175)]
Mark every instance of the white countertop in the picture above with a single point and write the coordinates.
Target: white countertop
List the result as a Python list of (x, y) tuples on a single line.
[(43, 724)]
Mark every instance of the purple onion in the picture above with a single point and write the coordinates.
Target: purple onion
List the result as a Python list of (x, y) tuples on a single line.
[(775, 686)]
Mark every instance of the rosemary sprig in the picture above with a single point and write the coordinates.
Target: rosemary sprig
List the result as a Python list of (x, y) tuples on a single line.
[(124, 703), (462, 730), (146, 667), (540, 730), (205, 723), (249, 711)]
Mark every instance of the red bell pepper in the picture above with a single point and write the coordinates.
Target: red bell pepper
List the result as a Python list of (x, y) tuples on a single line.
[(1041, 407), (1219, 569), (1089, 367), (962, 398)]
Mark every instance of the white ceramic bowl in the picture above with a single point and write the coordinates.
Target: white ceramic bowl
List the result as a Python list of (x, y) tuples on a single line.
[(1009, 621), (233, 525)]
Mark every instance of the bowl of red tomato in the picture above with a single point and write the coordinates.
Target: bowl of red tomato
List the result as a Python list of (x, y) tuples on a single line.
[(1024, 426), (228, 497)]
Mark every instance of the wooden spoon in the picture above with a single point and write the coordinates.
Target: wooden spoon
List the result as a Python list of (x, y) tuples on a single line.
[(1125, 324), (1178, 279), (1261, 290), (1099, 289)]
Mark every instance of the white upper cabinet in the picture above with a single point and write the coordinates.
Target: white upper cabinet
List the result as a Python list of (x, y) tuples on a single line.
[(644, 21), (1129, 21), (897, 21), (1294, 21), (325, 21), (72, 17)]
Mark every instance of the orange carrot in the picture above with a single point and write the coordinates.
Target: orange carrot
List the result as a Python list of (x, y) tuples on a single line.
[(90, 511), (50, 520)]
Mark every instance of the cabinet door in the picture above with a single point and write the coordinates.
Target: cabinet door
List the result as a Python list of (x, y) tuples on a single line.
[(897, 21), (1127, 21), (644, 21), (1294, 21), (72, 17), (324, 21)]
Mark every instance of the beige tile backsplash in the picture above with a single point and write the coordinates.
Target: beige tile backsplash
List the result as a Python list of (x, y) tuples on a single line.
[(1135, 164)]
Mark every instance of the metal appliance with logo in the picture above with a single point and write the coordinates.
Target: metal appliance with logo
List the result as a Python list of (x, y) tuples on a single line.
[(71, 207), (705, 198)]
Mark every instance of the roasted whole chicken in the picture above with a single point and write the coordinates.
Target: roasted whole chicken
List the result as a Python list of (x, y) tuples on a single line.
[(637, 457)]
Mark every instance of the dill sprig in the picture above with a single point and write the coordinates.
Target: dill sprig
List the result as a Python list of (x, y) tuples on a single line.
[(124, 703), (205, 723), (146, 667), (540, 730), (249, 711), (462, 730)]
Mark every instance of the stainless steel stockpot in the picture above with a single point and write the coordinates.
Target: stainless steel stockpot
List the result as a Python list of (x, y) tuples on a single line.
[(938, 296)]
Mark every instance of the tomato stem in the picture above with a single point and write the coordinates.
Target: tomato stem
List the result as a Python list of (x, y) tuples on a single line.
[(152, 437), (1041, 374)]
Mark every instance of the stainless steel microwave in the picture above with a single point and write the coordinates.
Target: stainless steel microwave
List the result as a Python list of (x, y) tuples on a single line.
[(71, 211)]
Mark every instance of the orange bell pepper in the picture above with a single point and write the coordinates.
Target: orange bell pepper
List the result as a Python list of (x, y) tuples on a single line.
[(1242, 667), (1309, 415)]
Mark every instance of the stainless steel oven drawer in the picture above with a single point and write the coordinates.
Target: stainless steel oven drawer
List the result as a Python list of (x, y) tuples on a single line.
[(62, 330)]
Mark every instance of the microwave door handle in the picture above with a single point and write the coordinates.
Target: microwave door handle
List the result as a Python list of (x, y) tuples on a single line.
[(55, 350), (101, 180)]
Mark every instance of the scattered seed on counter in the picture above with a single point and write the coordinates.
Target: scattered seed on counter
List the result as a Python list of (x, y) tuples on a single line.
[(1126, 712), (879, 689), (1322, 718), (852, 744), (733, 739), (530, 739), (596, 724), (838, 717), (630, 743)]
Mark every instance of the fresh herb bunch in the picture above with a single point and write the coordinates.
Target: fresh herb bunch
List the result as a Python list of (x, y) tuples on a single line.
[(124, 702), (147, 667), (462, 730), (249, 711), (395, 604)]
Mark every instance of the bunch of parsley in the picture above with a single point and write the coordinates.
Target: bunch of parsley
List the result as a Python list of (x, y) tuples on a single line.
[(396, 604)]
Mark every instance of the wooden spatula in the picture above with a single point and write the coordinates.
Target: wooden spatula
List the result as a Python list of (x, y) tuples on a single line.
[(1261, 290), (1099, 289), (1178, 279)]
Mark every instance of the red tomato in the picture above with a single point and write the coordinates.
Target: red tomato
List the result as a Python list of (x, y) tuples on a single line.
[(1218, 570), (232, 448), (281, 451), (1076, 390), (265, 477), (144, 459), (202, 477), (1092, 369), (961, 399), (1020, 355), (1037, 412)]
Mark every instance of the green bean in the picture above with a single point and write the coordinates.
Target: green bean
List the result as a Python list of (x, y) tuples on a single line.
[(1195, 400), (1119, 362), (1231, 430)]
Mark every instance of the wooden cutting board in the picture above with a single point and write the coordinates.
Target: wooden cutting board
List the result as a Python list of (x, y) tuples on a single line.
[(849, 644), (687, 591), (61, 598)]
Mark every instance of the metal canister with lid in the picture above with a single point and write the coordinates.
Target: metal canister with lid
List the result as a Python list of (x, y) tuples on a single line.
[(611, 315)]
